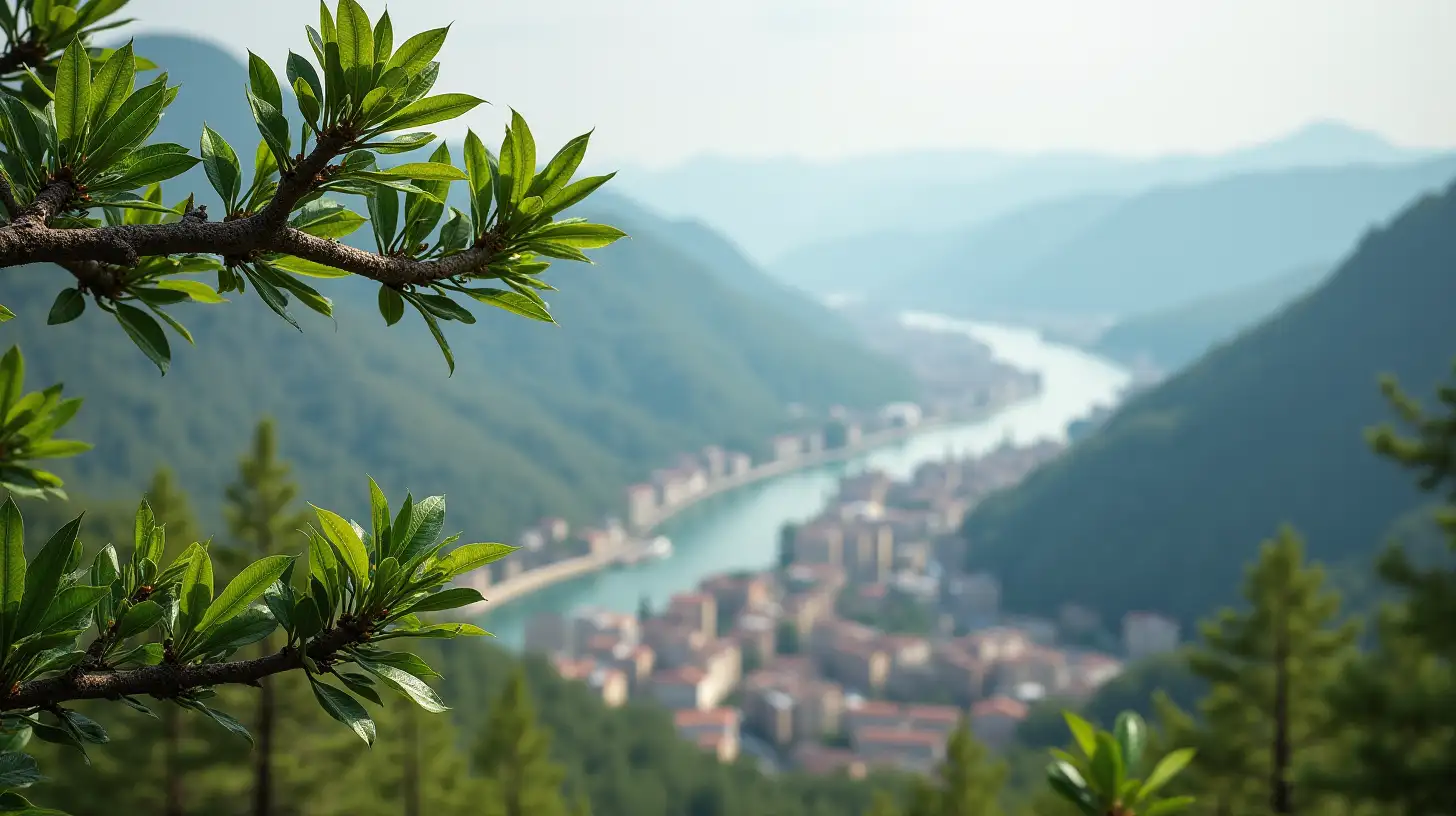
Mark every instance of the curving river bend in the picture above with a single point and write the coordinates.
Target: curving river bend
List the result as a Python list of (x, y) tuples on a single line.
[(739, 530)]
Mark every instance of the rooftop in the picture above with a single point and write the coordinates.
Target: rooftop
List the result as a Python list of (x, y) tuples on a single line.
[(999, 707)]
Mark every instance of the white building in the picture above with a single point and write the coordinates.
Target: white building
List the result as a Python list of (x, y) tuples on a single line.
[(1147, 633)]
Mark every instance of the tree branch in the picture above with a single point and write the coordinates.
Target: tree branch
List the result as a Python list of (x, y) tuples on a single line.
[(30, 239), (167, 681)]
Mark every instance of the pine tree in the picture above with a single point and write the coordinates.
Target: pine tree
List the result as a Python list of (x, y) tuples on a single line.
[(883, 804), (967, 782), (261, 512), (514, 757), (1265, 723), (1400, 702)]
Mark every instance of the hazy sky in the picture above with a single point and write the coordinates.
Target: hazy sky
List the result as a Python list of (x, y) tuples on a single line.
[(663, 80)]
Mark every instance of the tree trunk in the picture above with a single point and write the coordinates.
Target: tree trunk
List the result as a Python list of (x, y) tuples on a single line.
[(1280, 799), (263, 756), (172, 760)]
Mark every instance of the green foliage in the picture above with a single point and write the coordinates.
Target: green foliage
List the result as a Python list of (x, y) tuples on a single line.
[(1264, 726), (1187, 477), (513, 755), (28, 424), (1396, 703), (967, 783), (1108, 777), (359, 596)]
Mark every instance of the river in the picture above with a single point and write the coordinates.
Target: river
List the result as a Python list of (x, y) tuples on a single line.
[(739, 530)]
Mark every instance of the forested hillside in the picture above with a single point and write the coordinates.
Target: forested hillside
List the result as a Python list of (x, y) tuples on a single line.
[(1189, 477)]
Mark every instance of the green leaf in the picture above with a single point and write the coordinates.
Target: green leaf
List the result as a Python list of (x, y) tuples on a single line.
[(434, 327), (1172, 805), (345, 709), (433, 110), (1082, 732), (378, 520), (447, 599), (1066, 781), (43, 578), (408, 685), (155, 168), (69, 305), (73, 97), (132, 123), (300, 68), (196, 591), (222, 719), (273, 126), (513, 302), (196, 290), (1106, 768), (112, 85), (307, 620), (580, 235), (471, 557), (340, 223), (271, 297), (356, 37), (391, 305), (222, 165), (308, 102), (561, 168), (146, 334), (12, 380), (6, 315), (478, 167), (57, 449), (263, 82), (402, 144), (242, 591), (17, 771), (439, 631), (574, 194), (1132, 737), (418, 51), (12, 570), (248, 627), (139, 619), (307, 268), (72, 606), (524, 167), (351, 548), (323, 565), (426, 171), (147, 654), (1167, 768), (442, 307)]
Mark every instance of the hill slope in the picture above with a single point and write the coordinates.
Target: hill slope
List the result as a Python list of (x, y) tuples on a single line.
[(1162, 507), (1173, 338), (654, 355)]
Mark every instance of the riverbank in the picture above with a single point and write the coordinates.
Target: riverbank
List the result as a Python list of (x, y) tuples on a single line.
[(534, 580)]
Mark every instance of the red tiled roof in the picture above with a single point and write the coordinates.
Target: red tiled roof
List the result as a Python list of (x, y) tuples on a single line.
[(685, 675), (692, 717), (947, 714), (898, 736), (999, 707), (877, 708)]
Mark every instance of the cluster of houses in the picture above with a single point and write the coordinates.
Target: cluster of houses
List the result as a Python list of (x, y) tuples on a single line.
[(772, 655), (714, 468)]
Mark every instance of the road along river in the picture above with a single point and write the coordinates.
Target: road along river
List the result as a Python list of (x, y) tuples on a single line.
[(739, 530)]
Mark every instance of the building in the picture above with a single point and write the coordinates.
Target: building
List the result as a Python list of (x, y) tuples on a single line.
[(974, 600), (902, 415), (1145, 634), (608, 682), (814, 443), (685, 687), (697, 611), (902, 748), (555, 530), (641, 505), (715, 459), (716, 730), (819, 542), (994, 721), (739, 464), (672, 487), (786, 447)]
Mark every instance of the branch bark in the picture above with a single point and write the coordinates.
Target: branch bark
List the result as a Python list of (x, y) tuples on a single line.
[(31, 239), (167, 681)]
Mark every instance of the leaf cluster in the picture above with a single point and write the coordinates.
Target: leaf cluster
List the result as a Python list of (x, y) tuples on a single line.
[(1107, 779), (363, 589), (28, 425)]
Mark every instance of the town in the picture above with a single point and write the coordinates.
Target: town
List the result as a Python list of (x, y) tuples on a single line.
[(863, 647), (970, 386)]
